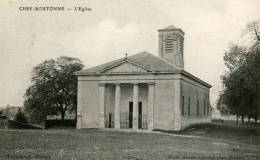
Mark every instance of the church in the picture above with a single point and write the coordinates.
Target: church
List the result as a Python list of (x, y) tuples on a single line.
[(144, 91)]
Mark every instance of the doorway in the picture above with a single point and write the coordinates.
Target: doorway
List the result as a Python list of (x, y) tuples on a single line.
[(130, 124), (130, 115), (110, 120), (140, 115)]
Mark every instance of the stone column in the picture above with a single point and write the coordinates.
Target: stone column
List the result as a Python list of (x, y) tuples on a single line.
[(150, 105), (135, 106), (177, 104), (79, 107), (79, 121), (102, 89), (117, 106)]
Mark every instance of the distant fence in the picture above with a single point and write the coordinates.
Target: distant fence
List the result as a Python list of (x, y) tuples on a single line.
[(60, 123), (18, 125), (48, 124), (218, 120), (235, 122)]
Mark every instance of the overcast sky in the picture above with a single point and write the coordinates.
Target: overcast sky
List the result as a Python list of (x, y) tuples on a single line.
[(113, 28)]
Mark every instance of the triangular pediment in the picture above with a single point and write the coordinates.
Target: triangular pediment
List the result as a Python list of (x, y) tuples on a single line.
[(126, 67)]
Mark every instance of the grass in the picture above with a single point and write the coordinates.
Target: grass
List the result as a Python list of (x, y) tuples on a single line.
[(201, 142), (238, 133)]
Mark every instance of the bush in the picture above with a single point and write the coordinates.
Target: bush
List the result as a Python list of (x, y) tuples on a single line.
[(18, 125), (20, 117), (60, 123)]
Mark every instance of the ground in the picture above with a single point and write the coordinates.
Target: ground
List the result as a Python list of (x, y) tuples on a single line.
[(206, 142)]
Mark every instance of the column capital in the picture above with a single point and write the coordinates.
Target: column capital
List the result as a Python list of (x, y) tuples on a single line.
[(102, 84), (135, 83), (151, 83), (117, 84)]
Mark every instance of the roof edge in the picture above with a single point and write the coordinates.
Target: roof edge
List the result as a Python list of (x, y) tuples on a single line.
[(185, 73), (169, 29), (124, 73), (126, 61), (196, 78)]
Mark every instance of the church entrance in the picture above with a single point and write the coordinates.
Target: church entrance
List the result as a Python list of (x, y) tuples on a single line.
[(130, 115), (110, 120), (120, 112), (130, 118), (140, 115)]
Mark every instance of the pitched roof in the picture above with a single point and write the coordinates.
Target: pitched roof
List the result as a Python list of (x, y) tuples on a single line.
[(171, 27), (168, 28), (143, 59)]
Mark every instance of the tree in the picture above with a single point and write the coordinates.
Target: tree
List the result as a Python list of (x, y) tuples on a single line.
[(252, 29), (252, 66), (37, 103), (1, 112), (53, 88), (241, 82), (20, 117)]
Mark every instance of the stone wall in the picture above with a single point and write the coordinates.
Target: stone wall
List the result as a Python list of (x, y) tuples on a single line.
[(168, 95), (198, 95), (164, 105), (88, 103)]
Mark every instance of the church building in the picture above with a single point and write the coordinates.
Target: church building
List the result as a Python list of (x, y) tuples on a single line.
[(144, 91)]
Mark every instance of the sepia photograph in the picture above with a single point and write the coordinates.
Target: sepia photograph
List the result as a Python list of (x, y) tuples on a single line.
[(129, 80)]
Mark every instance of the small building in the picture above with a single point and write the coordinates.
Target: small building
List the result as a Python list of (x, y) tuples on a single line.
[(144, 91), (10, 111), (3, 122)]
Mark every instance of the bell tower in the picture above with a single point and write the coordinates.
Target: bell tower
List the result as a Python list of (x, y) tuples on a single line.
[(171, 45)]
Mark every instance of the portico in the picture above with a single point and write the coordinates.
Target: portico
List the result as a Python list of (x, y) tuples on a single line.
[(126, 105)]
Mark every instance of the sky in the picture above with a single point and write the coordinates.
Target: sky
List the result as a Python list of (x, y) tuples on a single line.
[(113, 28)]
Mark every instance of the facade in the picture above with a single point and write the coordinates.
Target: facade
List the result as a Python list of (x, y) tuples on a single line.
[(144, 91)]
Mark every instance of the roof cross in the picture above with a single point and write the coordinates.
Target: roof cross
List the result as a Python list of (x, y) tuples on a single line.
[(126, 56)]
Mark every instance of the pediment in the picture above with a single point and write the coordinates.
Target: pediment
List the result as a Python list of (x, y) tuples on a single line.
[(126, 67)]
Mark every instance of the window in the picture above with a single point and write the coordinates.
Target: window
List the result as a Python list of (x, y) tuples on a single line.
[(198, 107), (183, 104), (208, 108), (189, 107), (204, 107), (168, 44)]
